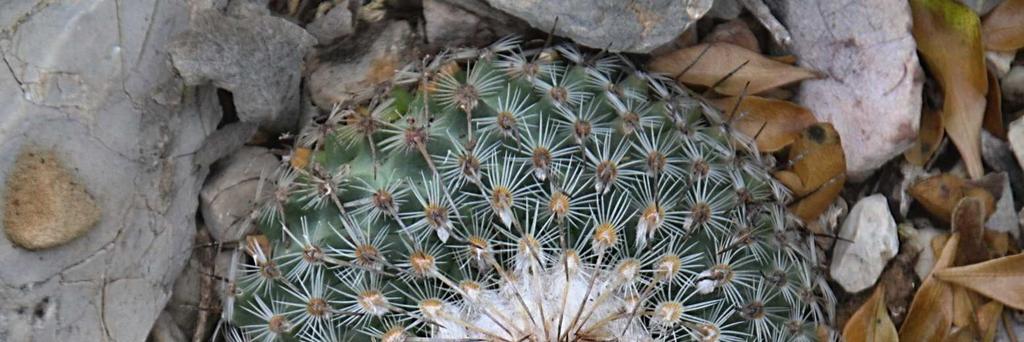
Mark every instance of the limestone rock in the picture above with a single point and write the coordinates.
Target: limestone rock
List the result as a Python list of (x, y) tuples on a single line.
[(92, 80), (869, 241), (627, 26), (258, 59), (1015, 134), (338, 22), (871, 91), (353, 73), (46, 206), (230, 193)]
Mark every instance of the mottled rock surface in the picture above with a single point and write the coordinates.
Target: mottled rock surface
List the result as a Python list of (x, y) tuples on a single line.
[(92, 81), (629, 26), (353, 72), (230, 193), (336, 23), (258, 59), (871, 91)]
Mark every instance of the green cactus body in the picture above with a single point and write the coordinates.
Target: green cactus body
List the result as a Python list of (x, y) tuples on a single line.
[(497, 194)]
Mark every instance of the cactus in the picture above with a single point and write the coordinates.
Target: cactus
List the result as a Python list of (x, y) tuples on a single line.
[(509, 194)]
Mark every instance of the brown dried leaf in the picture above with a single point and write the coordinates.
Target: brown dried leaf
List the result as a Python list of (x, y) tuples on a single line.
[(931, 312), (1003, 28), (963, 307), (816, 160), (720, 60), (948, 38), (993, 122), (939, 194), (775, 123), (988, 316), (929, 138), (871, 322), (1000, 279), (969, 222), (734, 32)]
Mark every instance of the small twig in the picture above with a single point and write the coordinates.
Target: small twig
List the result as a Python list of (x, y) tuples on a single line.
[(207, 271)]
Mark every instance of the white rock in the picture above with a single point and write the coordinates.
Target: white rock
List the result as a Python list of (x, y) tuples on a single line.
[(856, 265), (1015, 134), (229, 195), (871, 92), (922, 242), (1000, 61)]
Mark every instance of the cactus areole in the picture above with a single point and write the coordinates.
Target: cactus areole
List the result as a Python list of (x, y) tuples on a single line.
[(514, 194)]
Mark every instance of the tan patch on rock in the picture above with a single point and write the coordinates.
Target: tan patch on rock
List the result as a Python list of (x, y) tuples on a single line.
[(45, 205)]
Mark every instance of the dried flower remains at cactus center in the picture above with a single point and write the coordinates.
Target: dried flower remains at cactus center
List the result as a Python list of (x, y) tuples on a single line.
[(543, 195)]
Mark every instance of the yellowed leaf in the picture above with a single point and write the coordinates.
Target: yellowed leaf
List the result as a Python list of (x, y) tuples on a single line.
[(871, 322), (1000, 279), (818, 166), (948, 38), (929, 138), (1003, 28), (931, 311), (721, 59), (775, 123)]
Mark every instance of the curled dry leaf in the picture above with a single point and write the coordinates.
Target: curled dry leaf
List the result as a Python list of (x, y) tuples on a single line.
[(929, 138), (1003, 28), (988, 316), (948, 37), (708, 65), (1000, 279), (871, 322), (969, 221), (994, 107), (931, 311), (734, 32), (940, 194), (775, 123), (817, 170)]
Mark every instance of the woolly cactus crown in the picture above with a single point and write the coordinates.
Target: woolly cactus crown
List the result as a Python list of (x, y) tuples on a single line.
[(509, 195)]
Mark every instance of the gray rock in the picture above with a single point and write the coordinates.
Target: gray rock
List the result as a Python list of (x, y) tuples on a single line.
[(248, 8), (353, 72), (726, 9), (869, 242), (453, 24), (166, 331), (999, 157), (981, 7), (873, 77), (627, 26), (183, 306), (1004, 219), (258, 59), (334, 24), (1013, 85), (230, 194), (922, 242), (83, 78)]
